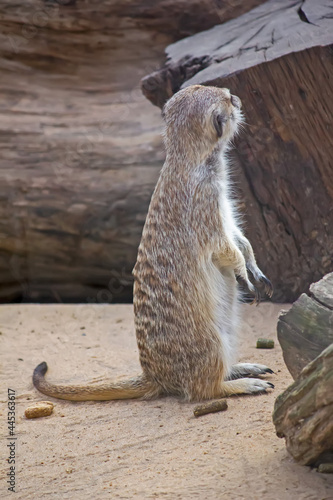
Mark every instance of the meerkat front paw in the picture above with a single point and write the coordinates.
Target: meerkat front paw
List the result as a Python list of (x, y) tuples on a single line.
[(267, 285), (259, 277), (251, 287)]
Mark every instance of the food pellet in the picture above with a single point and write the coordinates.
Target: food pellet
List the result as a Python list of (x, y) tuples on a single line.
[(265, 343), (40, 409), (220, 405)]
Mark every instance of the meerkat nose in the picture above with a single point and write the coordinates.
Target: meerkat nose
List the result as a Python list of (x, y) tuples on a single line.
[(235, 101)]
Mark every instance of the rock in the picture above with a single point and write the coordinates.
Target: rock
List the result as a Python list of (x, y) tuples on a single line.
[(303, 414), (81, 148), (268, 57), (307, 328)]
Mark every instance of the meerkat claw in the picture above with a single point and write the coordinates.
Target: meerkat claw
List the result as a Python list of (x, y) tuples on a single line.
[(257, 297), (268, 285), (259, 277)]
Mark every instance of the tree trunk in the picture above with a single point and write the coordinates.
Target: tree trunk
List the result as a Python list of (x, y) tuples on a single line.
[(278, 60), (80, 146)]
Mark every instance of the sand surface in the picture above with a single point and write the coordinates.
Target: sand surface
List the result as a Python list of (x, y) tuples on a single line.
[(135, 449)]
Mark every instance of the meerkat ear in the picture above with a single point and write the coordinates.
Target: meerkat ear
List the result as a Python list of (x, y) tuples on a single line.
[(218, 122)]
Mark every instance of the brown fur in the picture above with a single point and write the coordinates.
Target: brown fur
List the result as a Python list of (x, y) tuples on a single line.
[(185, 290)]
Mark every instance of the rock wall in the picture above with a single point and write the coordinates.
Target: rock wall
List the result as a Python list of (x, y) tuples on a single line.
[(80, 147)]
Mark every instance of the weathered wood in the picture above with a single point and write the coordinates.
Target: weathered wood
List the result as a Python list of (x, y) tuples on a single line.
[(278, 60), (80, 146), (303, 414), (322, 291), (307, 328)]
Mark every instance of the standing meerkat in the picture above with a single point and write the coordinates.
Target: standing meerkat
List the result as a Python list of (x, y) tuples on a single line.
[(186, 301)]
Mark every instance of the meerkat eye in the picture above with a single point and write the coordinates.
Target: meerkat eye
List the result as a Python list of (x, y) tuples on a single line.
[(218, 122)]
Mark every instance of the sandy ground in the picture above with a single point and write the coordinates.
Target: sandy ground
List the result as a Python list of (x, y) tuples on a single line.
[(135, 449)]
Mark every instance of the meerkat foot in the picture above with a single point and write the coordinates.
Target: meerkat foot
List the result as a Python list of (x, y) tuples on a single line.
[(247, 369), (257, 385), (245, 386)]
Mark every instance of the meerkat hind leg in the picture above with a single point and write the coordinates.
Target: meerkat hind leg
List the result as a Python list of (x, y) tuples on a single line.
[(244, 386), (240, 370)]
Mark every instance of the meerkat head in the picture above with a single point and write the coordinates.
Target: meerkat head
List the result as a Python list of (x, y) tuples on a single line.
[(198, 118)]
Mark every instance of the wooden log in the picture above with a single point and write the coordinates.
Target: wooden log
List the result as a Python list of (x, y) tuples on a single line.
[(80, 147), (303, 414), (278, 59), (307, 328)]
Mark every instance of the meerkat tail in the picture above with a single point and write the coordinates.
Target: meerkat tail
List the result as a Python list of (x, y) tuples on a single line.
[(137, 387)]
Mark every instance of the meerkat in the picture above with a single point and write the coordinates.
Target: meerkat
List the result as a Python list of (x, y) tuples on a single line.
[(186, 297)]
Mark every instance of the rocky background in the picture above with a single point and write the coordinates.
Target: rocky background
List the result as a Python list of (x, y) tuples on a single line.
[(81, 147)]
